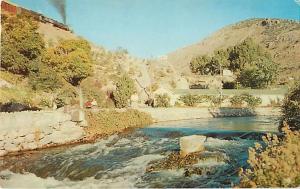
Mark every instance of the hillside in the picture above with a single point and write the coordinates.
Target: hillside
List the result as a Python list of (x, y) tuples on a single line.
[(280, 37)]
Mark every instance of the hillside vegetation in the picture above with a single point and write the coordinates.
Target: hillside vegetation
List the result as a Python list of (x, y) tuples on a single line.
[(281, 38), (252, 64)]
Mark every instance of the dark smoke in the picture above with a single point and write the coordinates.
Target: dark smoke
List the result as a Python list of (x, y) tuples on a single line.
[(60, 5)]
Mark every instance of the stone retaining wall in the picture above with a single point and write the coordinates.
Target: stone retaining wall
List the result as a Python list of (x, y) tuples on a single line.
[(174, 114), (32, 130)]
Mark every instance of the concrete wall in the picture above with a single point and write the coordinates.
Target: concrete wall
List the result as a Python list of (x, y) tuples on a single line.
[(31, 130), (174, 114)]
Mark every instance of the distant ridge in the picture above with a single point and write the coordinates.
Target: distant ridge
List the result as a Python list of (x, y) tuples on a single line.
[(280, 37)]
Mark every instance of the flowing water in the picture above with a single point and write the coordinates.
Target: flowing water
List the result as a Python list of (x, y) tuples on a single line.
[(121, 161)]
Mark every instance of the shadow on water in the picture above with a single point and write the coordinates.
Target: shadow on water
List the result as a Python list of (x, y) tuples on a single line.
[(124, 159)]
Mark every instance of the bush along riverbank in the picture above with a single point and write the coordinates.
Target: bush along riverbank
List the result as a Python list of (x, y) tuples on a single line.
[(108, 122)]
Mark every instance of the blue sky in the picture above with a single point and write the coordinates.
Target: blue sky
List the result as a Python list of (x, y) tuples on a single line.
[(156, 27)]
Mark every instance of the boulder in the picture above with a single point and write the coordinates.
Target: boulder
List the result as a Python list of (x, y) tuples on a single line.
[(11, 147), (190, 144), (3, 152), (29, 146)]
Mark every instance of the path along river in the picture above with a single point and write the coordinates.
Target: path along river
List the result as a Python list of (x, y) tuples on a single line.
[(121, 161)]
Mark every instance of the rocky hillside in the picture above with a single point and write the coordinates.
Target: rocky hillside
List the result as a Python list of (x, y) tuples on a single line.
[(280, 37)]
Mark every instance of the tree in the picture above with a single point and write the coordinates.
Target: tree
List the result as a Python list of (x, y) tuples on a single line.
[(291, 109), (221, 56), (259, 75), (125, 88), (45, 79), (210, 65), (246, 54), (72, 58), (21, 44), (198, 64)]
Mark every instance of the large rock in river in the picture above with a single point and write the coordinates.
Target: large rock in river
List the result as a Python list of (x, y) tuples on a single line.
[(190, 144)]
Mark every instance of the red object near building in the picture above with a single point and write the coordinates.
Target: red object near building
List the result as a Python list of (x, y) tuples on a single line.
[(7, 7)]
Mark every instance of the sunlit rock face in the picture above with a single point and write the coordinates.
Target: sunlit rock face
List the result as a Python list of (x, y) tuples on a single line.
[(190, 144)]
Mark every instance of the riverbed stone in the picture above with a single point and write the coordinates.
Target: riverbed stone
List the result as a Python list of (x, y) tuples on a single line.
[(190, 144), (3, 152), (2, 145), (11, 147), (30, 146)]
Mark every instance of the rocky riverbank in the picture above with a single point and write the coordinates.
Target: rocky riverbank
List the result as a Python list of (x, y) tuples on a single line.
[(21, 131)]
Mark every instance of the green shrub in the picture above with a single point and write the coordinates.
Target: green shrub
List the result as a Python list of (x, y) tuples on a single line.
[(216, 101), (124, 89), (276, 165), (65, 96), (250, 100), (91, 89), (109, 122), (192, 100), (162, 100), (291, 108), (237, 101), (17, 95), (189, 100)]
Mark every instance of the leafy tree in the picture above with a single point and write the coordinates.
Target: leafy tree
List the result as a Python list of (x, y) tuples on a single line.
[(21, 44), (221, 56), (72, 58), (291, 109), (213, 67), (246, 53), (198, 64), (210, 65), (125, 88), (260, 75)]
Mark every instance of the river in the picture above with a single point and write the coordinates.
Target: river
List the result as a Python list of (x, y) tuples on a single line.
[(121, 161)]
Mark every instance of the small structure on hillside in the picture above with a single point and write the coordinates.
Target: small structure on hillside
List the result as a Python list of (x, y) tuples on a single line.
[(226, 72)]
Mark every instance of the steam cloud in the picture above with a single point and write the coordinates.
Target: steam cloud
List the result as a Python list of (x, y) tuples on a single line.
[(60, 6)]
